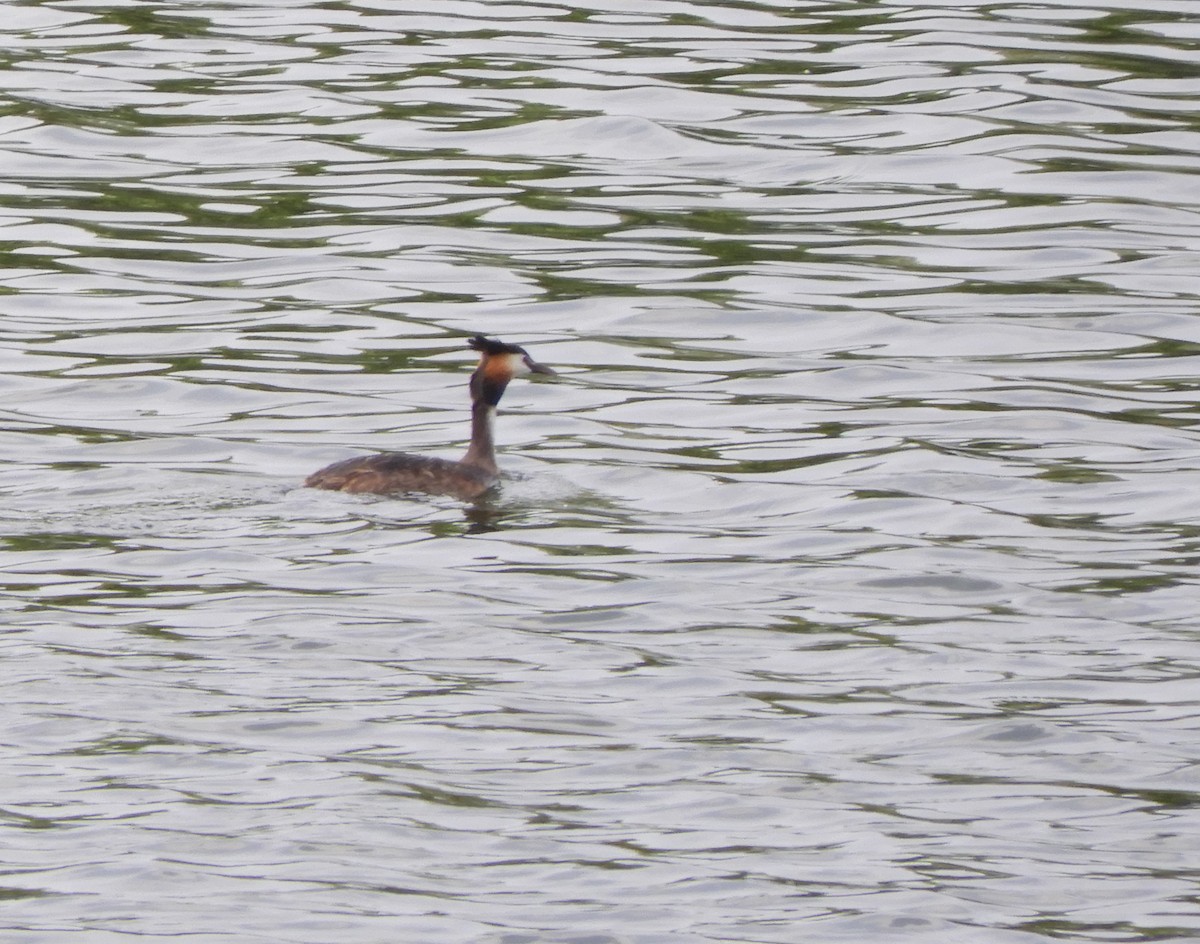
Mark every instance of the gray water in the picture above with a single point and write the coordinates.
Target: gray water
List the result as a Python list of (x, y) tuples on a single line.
[(842, 589)]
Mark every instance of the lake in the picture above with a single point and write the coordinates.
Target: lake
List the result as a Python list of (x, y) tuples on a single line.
[(842, 588)]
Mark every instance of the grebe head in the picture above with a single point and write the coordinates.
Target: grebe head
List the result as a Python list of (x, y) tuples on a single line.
[(498, 364)]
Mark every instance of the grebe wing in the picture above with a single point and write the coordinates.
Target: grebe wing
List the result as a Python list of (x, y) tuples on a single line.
[(392, 472)]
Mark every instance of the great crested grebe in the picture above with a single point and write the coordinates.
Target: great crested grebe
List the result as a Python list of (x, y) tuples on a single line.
[(470, 476)]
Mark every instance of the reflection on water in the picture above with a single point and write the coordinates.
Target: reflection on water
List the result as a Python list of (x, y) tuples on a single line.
[(843, 590)]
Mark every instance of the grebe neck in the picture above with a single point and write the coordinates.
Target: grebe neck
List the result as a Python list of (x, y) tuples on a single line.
[(482, 451)]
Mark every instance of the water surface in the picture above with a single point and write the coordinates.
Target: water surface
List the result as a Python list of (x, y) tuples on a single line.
[(842, 589)]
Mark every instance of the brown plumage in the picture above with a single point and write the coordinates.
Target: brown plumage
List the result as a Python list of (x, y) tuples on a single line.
[(467, 478)]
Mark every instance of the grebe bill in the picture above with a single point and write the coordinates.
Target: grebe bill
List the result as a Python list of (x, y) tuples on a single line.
[(470, 476)]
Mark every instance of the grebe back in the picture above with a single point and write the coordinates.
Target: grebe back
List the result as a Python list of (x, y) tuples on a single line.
[(470, 476)]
